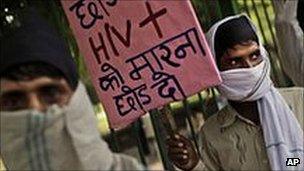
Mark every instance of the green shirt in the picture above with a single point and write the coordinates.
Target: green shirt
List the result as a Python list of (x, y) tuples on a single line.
[(232, 142)]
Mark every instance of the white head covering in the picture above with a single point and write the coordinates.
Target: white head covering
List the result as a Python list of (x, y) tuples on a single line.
[(282, 133)]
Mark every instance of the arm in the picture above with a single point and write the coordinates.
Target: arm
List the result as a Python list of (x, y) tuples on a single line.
[(124, 162), (209, 155), (290, 39), (115, 161)]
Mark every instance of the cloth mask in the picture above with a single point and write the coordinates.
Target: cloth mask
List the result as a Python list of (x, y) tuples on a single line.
[(60, 139), (246, 84)]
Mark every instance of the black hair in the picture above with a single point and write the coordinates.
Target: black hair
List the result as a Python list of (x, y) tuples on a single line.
[(231, 33)]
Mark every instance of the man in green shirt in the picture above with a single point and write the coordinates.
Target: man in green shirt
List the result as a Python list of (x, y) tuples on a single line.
[(256, 130)]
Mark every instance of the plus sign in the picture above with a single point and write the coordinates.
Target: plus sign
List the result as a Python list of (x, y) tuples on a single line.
[(152, 17)]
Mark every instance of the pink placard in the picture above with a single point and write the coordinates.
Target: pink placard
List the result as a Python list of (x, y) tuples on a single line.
[(141, 54)]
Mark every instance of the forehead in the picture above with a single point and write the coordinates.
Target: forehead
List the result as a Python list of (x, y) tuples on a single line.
[(11, 85), (240, 50)]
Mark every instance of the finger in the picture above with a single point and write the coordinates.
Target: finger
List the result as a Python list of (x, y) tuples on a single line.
[(175, 144), (186, 142), (178, 151), (172, 141), (184, 139), (179, 138), (180, 159), (174, 136)]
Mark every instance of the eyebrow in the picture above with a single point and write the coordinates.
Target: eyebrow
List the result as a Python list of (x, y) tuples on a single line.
[(237, 57), (21, 91), (233, 58)]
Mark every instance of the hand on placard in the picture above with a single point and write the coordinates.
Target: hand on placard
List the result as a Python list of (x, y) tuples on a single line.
[(181, 152)]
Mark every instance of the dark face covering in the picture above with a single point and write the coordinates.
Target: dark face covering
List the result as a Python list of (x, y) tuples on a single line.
[(231, 33), (36, 41)]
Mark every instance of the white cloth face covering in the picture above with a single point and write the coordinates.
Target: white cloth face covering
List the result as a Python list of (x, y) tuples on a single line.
[(62, 138), (245, 84)]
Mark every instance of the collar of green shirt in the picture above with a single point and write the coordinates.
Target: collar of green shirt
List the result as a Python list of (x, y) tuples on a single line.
[(229, 115)]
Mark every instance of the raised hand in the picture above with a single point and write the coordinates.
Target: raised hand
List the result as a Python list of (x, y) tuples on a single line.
[(181, 152)]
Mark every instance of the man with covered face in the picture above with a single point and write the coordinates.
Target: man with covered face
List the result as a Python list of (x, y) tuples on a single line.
[(256, 130), (47, 119)]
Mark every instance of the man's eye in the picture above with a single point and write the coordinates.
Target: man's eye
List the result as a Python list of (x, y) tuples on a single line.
[(49, 89), (256, 55), (12, 103), (233, 62), (50, 94)]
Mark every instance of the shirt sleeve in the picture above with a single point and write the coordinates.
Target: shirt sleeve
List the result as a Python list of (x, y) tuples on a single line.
[(111, 161), (124, 162), (290, 39)]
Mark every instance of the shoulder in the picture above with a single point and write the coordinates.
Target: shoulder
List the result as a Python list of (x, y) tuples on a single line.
[(212, 127)]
